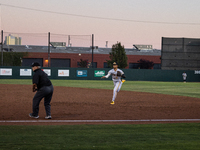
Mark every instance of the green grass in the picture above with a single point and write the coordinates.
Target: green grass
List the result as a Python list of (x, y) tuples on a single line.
[(184, 136), (172, 88), (101, 137)]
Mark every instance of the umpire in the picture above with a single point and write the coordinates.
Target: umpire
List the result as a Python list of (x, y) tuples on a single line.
[(44, 89)]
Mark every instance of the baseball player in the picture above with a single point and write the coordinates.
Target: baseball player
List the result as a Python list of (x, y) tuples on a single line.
[(117, 76), (44, 89), (184, 77)]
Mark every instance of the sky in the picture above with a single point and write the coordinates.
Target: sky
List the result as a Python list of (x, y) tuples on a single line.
[(126, 21)]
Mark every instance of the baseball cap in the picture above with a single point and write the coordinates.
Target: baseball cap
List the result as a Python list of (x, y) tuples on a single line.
[(115, 63), (35, 64)]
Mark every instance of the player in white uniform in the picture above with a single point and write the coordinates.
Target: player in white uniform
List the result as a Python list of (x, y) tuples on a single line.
[(117, 80), (184, 77)]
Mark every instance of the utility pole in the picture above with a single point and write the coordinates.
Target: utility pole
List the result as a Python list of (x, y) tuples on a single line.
[(69, 41), (92, 48), (1, 47), (49, 49)]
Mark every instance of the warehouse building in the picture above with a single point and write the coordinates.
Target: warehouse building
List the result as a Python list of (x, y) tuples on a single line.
[(70, 56)]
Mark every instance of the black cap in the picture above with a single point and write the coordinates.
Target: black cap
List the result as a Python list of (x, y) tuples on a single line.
[(115, 63), (35, 64)]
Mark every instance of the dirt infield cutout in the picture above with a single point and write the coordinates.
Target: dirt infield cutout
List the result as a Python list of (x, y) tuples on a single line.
[(70, 103)]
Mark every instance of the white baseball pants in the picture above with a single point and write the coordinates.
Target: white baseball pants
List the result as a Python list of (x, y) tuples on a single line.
[(117, 87)]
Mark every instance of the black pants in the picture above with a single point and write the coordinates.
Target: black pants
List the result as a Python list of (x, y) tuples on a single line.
[(45, 92)]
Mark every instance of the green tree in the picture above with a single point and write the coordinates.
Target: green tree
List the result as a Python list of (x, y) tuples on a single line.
[(118, 55), (13, 58), (146, 64), (83, 63)]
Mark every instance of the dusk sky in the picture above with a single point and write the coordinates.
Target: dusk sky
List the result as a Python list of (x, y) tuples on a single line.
[(131, 21)]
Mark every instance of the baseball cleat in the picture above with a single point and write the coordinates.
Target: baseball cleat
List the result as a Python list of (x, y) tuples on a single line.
[(31, 115), (48, 117), (123, 80), (112, 103)]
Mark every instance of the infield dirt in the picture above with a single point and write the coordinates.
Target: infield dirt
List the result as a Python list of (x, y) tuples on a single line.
[(70, 103)]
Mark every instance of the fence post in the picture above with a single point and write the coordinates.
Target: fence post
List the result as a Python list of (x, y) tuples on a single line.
[(92, 48), (1, 47), (48, 49)]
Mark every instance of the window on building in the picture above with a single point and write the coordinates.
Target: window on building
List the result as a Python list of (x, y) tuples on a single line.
[(29, 61), (56, 62), (94, 65), (157, 66), (134, 65), (89, 65), (105, 65)]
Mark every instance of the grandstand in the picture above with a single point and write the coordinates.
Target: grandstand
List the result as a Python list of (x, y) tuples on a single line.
[(180, 53)]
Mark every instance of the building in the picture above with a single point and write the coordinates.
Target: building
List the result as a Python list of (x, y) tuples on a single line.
[(70, 56), (143, 47), (12, 40)]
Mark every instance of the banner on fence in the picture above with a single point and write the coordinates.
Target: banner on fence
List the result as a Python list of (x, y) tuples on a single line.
[(5, 72), (47, 71), (63, 73), (81, 73), (25, 72), (197, 72), (99, 73)]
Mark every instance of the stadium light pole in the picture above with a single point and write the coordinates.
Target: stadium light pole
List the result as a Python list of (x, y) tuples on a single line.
[(1, 47), (92, 48), (48, 49)]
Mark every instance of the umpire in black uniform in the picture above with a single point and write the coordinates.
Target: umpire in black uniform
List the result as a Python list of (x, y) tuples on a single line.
[(44, 89)]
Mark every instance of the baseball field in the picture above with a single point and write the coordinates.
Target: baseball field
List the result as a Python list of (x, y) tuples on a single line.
[(146, 115)]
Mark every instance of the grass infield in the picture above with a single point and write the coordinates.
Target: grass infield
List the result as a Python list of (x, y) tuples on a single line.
[(101, 137), (184, 136)]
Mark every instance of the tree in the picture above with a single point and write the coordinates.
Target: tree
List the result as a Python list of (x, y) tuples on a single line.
[(13, 58), (146, 64), (83, 63), (118, 55)]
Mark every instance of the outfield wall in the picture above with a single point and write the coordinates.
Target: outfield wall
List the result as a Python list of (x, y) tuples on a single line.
[(96, 73)]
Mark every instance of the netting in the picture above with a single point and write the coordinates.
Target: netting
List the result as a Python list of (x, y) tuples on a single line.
[(71, 40), (41, 39)]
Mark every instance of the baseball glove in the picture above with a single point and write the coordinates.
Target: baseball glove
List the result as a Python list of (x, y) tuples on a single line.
[(119, 74), (34, 87)]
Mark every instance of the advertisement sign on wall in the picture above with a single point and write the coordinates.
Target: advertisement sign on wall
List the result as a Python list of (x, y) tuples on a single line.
[(63, 73), (197, 72), (47, 71), (25, 72), (99, 73), (5, 72), (81, 73)]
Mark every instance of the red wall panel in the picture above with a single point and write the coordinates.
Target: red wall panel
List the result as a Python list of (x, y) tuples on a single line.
[(99, 58)]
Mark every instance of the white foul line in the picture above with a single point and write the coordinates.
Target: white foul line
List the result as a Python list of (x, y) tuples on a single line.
[(99, 121)]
